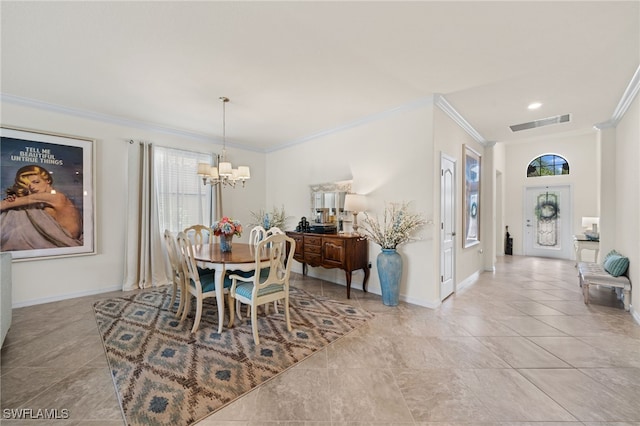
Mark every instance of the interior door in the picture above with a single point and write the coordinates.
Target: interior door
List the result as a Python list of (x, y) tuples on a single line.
[(447, 225), (547, 222)]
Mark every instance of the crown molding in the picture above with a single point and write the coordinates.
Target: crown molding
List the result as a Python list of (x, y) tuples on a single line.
[(448, 109), (111, 119), (625, 102), (627, 97), (365, 120)]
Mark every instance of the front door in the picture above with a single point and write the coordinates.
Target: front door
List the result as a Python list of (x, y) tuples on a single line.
[(547, 222), (447, 225)]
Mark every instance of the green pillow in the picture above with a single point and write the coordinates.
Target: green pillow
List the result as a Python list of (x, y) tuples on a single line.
[(611, 253), (616, 264)]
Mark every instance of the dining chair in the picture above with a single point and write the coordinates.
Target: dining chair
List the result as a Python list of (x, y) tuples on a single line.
[(274, 230), (258, 290), (177, 272), (201, 286), (199, 234), (256, 235)]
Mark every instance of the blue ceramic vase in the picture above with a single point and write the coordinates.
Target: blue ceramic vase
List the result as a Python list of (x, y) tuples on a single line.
[(389, 263), (225, 242)]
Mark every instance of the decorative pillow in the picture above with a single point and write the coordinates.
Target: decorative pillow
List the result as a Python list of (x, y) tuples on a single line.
[(611, 253), (616, 264)]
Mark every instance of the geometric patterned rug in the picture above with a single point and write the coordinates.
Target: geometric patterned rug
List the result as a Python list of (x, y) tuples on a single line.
[(164, 375)]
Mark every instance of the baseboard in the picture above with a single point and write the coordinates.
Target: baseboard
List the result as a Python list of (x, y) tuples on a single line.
[(636, 315), (468, 281), (65, 297), (431, 304)]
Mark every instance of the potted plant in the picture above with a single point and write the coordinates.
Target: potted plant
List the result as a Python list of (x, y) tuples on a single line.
[(226, 228), (396, 228), (274, 219)]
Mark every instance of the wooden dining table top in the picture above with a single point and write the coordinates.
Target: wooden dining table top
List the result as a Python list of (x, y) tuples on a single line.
[(240, 253)]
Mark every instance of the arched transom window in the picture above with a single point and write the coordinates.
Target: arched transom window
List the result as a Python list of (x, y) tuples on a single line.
[(548, 165)]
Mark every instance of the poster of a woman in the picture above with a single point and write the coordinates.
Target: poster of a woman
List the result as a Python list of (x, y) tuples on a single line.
[(46, 207)]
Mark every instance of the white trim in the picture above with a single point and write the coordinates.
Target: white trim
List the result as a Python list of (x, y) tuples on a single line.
[(460, 120), (365, 120), (627, 97), (105, 118), (625, 101), (636, 315), (33, 103), (468, 281), (431, 304), (65, 296)]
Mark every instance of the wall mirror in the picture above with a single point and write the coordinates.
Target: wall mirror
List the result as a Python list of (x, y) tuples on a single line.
[(327, 201)]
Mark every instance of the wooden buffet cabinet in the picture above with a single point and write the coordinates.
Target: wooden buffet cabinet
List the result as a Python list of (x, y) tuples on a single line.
[(348, 252)]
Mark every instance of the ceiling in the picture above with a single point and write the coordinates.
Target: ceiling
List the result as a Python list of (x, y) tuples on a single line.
[(293, 70)]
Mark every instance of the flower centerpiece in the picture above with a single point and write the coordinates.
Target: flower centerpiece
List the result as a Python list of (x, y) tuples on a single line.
[(226, 228), (397, 226), (274, 219)]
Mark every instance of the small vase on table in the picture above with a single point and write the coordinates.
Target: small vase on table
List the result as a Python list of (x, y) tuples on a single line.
[(226, 242)]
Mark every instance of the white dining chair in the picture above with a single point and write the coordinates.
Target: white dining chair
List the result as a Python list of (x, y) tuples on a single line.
[(177, 272), (258, 290), (199, 234), (201, 286), (274, 230), (256, 235)]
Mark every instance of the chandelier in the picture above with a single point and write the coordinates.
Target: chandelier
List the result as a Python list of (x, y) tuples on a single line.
[(224, 173)]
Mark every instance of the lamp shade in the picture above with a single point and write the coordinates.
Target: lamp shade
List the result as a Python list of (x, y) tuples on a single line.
[(244, 173), (224, 168), (588, 222), (203, 168), (355, 203)]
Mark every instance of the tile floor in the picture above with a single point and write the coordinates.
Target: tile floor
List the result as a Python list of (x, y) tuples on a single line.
[(515, 347)]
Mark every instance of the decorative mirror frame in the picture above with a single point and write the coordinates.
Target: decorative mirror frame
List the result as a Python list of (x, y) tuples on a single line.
[(340, 186)]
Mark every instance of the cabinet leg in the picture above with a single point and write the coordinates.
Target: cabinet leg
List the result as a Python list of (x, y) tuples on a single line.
[(304, 269), (348, 275), (366, 278)]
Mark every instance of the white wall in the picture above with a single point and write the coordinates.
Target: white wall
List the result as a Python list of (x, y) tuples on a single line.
[(449, 139), (626, 206), (38, 281), (390, 159), (580, 150)]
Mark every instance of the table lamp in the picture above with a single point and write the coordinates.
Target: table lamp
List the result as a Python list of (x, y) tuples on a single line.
[(355, 203)]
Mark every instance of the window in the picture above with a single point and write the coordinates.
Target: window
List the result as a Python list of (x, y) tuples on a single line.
[(182, 198), (548, 165)]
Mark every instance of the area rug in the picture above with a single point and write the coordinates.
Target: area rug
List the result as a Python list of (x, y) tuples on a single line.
[(164, 375)]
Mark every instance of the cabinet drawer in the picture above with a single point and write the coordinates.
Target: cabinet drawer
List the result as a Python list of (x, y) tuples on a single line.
[(314, 241), (313, 259), (308, 249)]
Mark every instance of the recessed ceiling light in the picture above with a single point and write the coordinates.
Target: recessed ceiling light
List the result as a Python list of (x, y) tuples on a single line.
[(534, 105)]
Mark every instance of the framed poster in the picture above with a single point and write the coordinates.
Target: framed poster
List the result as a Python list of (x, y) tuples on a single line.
[(47, 202), (471, 198)]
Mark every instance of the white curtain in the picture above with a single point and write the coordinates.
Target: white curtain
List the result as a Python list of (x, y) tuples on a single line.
[(145, 261)]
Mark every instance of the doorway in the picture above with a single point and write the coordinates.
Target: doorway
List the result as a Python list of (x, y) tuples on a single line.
[(447, 225), (547, 222)]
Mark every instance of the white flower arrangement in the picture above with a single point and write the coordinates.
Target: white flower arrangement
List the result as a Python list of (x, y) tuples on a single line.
[(396, 227), (276, 218)]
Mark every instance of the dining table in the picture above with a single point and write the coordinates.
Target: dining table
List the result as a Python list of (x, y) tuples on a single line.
[(242, 257)]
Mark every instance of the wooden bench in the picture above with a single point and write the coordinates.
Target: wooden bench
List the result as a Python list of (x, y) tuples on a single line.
[(591, 273)]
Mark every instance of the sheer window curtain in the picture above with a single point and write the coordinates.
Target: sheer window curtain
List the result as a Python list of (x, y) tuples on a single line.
[(145, 261)]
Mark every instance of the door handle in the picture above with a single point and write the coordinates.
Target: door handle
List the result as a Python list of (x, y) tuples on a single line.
[(453, 234)]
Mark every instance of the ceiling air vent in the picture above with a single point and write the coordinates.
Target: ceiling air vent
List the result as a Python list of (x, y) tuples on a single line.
[(543, 122)]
